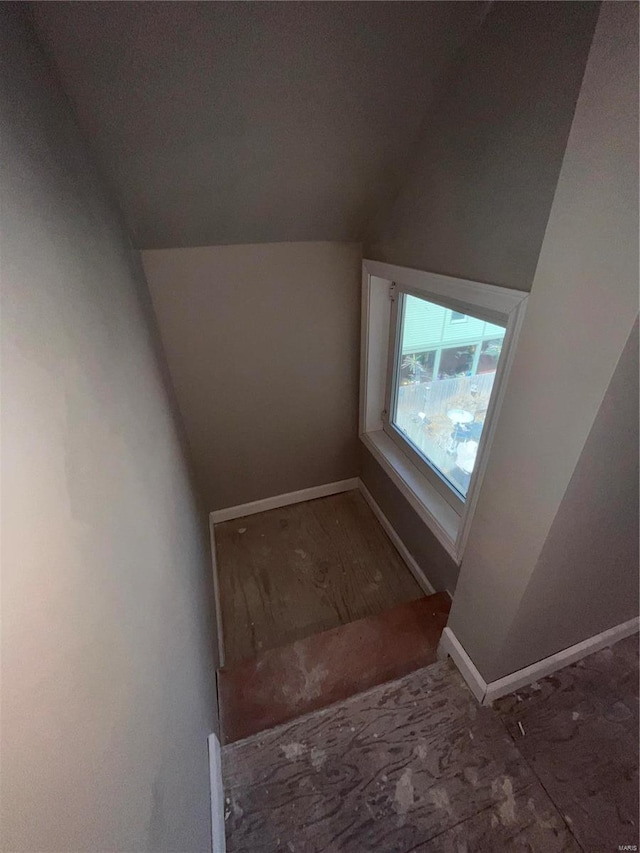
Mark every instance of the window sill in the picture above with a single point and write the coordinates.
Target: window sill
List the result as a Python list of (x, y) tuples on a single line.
[(443, 521)]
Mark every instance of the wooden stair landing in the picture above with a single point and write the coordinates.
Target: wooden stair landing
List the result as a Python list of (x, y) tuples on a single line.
[(284, 683), (412, 765)]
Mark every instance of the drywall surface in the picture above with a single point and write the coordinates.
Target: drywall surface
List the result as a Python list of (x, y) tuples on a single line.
[(484, 171), (586, 578), (262, 344), (439, 568), (107, 694), (478, 192), (220, 123), (582, 306)]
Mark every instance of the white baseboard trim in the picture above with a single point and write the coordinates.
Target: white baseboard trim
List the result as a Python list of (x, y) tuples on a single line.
[(277, 501), (218, 842), (216, 595), (547, 666), (401, 548), (486, 693), (450, 646)]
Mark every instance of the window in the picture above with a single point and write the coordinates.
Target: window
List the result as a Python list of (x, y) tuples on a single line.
[(435, 354), (437, 401)]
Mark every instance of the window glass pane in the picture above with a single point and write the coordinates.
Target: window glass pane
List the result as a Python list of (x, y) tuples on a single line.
[(445, 378)]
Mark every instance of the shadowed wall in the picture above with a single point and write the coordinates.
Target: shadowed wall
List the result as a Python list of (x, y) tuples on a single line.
[(547, 480), (107, 661), (262, 343), (480, 182)]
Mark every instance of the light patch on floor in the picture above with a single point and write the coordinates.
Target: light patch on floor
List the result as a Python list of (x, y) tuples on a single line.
[(403, 797), (292, 751), (440, 799), (318, 758), (471, 775), (507, 808), (420, 750), (311, 679), (542, 821), (617, 712)]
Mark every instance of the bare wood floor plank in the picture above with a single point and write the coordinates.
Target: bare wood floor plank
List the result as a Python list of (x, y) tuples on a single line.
[(396, 769), (295, 571), (284, 683)]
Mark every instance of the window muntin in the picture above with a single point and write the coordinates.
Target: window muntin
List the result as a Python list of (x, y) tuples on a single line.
[(439, 389)]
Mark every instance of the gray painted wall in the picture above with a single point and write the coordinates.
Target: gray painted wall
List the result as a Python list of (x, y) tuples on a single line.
[(221, 123), (587, 573), (423, 546), (107, 693), (477, 195), (582, 307), (482, 178), (263, 344)]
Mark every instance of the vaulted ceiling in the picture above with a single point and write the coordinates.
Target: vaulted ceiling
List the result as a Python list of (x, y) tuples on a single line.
[(235, 122)]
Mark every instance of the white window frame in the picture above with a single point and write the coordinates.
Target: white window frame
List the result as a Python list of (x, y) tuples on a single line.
[(427, 492)]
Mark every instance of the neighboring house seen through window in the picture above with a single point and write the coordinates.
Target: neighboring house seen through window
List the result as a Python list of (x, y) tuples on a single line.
[(438, 397), (435, 354)]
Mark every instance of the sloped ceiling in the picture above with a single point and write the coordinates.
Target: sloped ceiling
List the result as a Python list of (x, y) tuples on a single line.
[(219, 123)]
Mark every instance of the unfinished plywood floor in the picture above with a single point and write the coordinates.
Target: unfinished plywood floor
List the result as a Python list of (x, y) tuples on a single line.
[(578, 731), (417, 765), (413, 765), (291, 572)]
